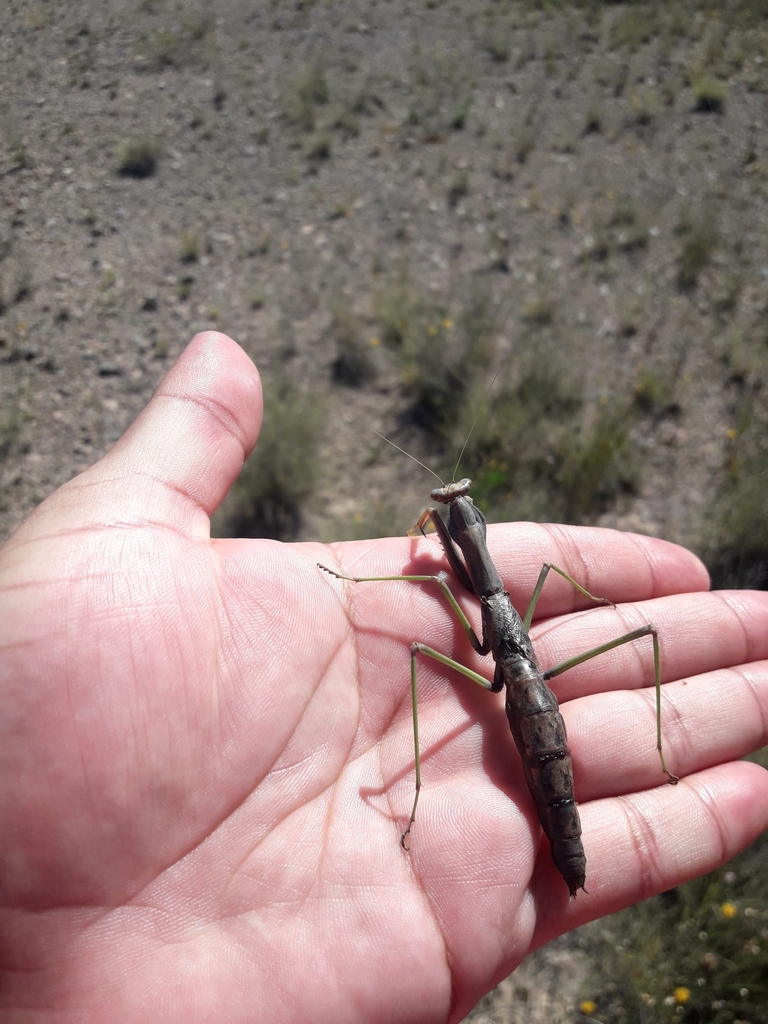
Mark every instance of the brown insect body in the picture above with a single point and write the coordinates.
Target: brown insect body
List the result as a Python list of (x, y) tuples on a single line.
[(532, 709)]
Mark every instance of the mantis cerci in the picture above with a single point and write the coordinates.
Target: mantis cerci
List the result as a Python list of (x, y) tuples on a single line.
[(532, 708)]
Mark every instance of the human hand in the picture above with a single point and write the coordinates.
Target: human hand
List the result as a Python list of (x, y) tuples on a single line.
[(206, 758)]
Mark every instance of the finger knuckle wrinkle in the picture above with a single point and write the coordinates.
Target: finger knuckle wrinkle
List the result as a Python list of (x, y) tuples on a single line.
[(645, 846)]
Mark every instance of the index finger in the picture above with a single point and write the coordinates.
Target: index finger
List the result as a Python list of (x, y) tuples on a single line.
[(608, 563)]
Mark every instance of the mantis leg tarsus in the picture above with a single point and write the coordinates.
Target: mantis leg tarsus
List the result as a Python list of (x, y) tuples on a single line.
[(411, 821)]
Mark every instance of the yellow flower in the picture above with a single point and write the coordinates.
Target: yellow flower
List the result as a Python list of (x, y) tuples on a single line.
[(431, 329), (729, 909), (731, 433), (374, 342), (682, 995), (587, 1006), (447, 324)]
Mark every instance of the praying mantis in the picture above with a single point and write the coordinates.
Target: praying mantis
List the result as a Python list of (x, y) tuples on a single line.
[(532, 709)]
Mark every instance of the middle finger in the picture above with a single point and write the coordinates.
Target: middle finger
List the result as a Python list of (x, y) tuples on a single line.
[(699, 632)]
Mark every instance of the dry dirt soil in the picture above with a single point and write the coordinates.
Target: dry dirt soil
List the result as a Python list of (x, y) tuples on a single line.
[(287, 172)]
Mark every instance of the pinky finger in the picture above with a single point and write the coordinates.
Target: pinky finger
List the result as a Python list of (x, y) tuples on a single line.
[(645, 843)]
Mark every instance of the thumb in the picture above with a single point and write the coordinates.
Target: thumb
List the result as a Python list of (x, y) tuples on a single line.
[(177, 460)]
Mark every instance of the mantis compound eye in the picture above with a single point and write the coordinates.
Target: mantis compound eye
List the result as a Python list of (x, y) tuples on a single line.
[(454, 490)]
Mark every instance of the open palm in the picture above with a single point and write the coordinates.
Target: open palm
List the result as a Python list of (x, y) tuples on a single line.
[(206, 756)]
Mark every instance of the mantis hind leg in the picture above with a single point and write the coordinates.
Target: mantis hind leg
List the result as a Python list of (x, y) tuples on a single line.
[(626, 638), (417, 648)]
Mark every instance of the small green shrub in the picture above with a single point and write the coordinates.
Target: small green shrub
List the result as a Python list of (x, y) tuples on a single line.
[(565, 142), (531, 456), (346, 122), (598, 467), (670, 88), (189, 247), (460, 113), (434, 383), (630, 317), (195, 25), (438, 359), (734, 539), (15, 277), (10, 428), (498, 250), (353, 365), (280, 476), (317, 149), (644, 106), (628, 229), (160, 348), (498, 46), (625, 213), (20, 156), (525, 143), (540, 311), (709, 96), (396, 308), (304, 93), (36, 20), (191, 43), (139, 157), (510, 455), (457, 189), (437, 92), (593, 121), (163, 48), (699, 231), (632, 26), (725, 297)]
